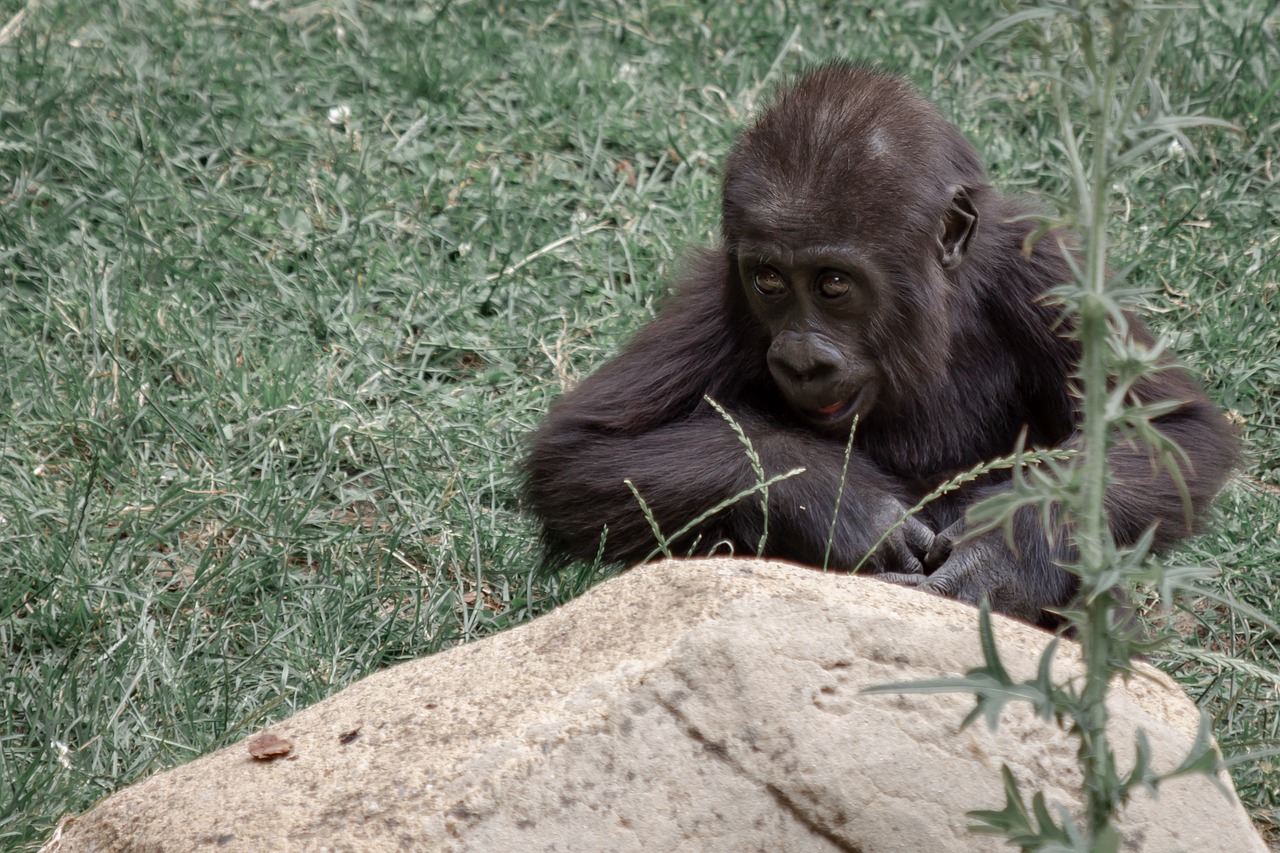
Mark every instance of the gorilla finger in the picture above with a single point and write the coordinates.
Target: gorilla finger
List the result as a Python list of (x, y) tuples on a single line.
[(896, 554), (904, 556), (944, 585), (918, 536), (901, 578), (939, 552), (943, 544), (953, 576)]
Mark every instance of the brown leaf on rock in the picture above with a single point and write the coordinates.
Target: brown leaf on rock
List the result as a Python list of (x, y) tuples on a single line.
[(269, 747)]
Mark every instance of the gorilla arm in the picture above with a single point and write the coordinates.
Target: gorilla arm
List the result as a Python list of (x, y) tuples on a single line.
[(686, 467), (1143, 494), (642, 417)]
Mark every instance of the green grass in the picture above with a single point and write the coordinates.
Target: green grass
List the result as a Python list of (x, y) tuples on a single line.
[(274, 320)]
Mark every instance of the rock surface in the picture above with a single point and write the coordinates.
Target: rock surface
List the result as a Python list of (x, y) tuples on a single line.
[(685, 706)]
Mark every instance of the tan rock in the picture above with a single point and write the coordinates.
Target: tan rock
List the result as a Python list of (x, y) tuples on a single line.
[(685, 706)]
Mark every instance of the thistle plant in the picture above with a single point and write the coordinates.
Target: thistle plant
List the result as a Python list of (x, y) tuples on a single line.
[(1098, 70)]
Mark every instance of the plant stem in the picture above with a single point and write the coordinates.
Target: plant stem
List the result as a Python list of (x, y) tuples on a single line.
[(1092, 529)]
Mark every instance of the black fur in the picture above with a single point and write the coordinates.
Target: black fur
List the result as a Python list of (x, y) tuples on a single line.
[(867, 268)]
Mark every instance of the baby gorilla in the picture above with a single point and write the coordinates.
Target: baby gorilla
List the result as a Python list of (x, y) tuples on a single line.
[(868, 270)]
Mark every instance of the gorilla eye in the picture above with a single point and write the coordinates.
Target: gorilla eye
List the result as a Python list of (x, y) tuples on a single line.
[(833, 284), (769, 281)]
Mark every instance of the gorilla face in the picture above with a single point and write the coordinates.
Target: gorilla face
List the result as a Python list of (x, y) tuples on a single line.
[(825, 308)]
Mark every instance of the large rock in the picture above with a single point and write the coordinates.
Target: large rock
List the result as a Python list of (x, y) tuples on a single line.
[(685, 706)]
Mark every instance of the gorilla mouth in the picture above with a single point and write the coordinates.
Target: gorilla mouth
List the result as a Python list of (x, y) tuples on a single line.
[(836, 412)]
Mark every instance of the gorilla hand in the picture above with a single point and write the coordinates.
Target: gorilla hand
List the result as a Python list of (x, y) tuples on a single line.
[(971, 568), (907, 541)]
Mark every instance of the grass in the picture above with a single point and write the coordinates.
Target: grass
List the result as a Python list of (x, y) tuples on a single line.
[(275, 316)]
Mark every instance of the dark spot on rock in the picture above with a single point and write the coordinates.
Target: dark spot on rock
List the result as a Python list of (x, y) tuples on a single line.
[(461, 811)]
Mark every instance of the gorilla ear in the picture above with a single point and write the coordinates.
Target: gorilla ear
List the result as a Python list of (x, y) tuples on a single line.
[(958, 226)]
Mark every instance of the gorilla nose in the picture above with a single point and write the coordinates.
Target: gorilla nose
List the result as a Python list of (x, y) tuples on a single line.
[(800, 358)]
